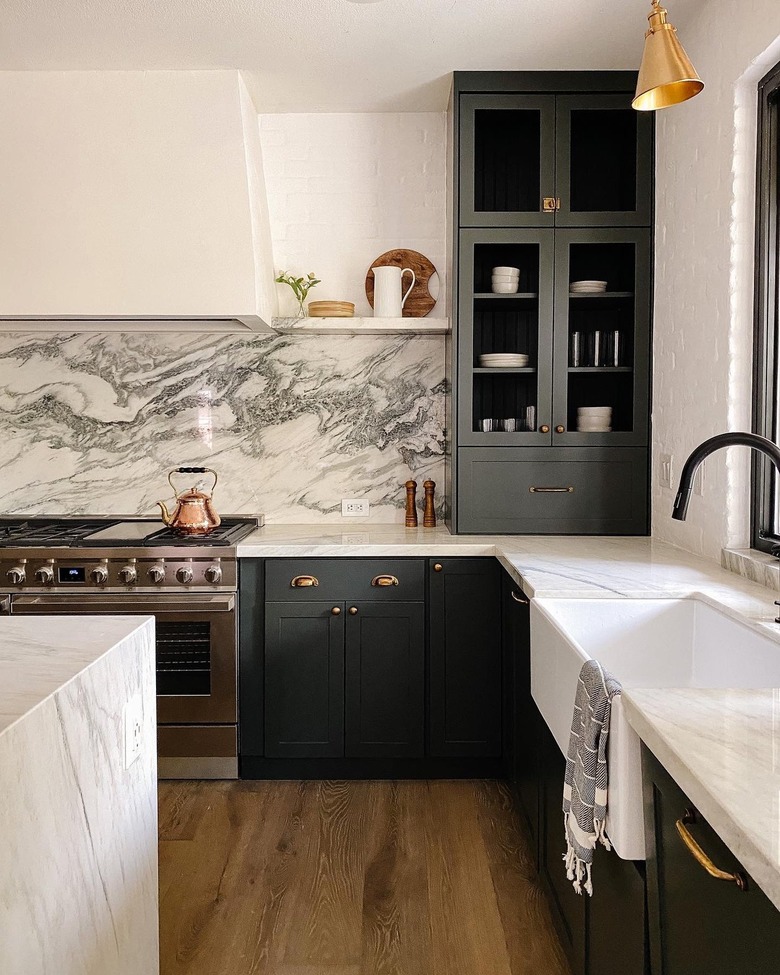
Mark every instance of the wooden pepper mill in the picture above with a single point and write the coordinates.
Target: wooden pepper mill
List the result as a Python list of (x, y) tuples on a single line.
[(411, 504), (429, 514)]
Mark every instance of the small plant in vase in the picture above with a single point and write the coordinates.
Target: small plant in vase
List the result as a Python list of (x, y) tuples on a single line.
[(300, 287)]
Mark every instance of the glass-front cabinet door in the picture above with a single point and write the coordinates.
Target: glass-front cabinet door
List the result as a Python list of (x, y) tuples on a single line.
[(505, 337), (604, 157), (507, 160), (602, 323)]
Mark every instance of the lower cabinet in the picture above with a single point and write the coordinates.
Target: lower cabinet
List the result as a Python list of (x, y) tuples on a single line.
[(344, 680), (603, 934), (700, 925), (465, 658)]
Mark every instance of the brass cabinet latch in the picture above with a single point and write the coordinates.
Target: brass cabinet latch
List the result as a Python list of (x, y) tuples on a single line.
[(551, 203)]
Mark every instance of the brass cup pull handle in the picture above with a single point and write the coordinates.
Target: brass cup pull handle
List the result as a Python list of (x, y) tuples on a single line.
[(517, 598), (383, 581), (304, 582), (551, 490), (688, 818)]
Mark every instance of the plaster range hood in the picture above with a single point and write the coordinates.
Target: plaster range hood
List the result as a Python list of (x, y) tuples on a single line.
[(132, 201)]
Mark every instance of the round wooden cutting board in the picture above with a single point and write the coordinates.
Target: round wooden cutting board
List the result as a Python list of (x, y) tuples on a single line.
[(420, 301)]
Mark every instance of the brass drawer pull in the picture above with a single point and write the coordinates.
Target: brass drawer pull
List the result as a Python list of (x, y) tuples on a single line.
[(689, 818), (304, 582), (551, 490), (384, 581), (518, 599)]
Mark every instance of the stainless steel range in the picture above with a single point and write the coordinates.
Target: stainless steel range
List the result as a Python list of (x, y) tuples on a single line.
[(113, 566)]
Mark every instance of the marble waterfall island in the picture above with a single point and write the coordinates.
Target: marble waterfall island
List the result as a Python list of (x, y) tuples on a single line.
[(78, 829)]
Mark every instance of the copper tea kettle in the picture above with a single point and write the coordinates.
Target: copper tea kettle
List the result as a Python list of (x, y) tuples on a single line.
[(194, 513)]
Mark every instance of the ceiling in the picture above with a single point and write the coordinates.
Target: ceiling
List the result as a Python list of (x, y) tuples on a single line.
[(329, 55)]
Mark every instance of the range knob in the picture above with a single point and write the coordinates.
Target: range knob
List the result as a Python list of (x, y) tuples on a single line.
[(157, 573), (99, 575), (45, 575), (17, 575), (184, 575), (213, 574), (128, 574)]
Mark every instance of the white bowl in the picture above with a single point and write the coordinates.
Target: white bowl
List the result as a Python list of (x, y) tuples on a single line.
[(593, 428), (505, 277), (594, 411), (502, 280), (504, 289), (513, 271)]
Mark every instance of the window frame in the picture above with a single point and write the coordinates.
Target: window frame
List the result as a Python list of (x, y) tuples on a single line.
[(766, 334)]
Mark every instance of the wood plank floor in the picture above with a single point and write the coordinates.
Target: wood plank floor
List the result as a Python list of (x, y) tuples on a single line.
[(349, 878)]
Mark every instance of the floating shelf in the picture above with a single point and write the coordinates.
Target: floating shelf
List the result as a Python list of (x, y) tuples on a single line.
[(601, 369), (602, 294), (362, 326)]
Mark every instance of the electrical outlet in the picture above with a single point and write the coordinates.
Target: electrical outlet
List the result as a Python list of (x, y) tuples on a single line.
[(354, 508), (134, 723), (665, 475)]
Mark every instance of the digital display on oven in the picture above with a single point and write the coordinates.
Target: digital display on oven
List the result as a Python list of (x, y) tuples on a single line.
[(72, 573)]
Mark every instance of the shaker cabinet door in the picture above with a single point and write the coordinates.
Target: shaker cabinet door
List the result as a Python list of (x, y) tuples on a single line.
[(304, 680)]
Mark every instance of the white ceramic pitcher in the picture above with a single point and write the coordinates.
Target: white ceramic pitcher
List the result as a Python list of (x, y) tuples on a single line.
[(388, 282)]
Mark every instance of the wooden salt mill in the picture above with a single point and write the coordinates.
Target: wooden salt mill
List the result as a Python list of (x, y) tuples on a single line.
[(411, 504), (429, 514)]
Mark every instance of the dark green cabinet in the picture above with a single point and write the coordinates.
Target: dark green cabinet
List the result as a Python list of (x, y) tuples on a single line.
[(465, 717), (700, 925), (579, 159), (554, 179), (304, 680), (385, 680)]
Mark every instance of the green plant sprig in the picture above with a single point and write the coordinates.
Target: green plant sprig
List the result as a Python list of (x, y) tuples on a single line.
[(300, 286)]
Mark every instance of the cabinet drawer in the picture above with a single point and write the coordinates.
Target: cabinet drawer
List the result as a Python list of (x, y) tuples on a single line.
[(341, 579), (588, 491)]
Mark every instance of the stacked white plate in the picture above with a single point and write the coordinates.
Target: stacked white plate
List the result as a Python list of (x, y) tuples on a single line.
[(587, 287), (594, 419), (503, 360), (505, 280)]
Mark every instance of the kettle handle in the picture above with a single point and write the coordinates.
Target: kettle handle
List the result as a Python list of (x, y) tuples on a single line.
[(192, 470)]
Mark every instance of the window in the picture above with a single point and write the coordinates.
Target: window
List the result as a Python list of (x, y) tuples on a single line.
[(766, 381)]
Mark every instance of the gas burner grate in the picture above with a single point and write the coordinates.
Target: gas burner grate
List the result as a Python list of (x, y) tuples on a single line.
[(31, 531), (230, 532)]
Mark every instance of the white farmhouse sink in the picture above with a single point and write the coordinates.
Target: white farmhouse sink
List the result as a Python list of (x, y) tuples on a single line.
[(644, 643)]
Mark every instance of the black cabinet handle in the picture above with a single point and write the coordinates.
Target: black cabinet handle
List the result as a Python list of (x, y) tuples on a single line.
[(551, 490)]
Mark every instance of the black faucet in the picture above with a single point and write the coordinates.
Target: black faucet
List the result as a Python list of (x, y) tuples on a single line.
[(761, 444)]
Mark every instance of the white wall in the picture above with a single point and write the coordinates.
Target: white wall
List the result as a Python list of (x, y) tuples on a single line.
[(129, 193), (344, 188), (704, 267)]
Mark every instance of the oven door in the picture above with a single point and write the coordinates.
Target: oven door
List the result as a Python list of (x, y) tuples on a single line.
[(196, 647)]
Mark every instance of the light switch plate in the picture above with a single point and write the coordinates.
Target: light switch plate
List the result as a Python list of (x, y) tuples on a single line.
[(134, 724), (665, 470)]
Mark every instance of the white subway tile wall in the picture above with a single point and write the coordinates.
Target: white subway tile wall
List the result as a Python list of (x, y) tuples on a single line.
[(344, 188)]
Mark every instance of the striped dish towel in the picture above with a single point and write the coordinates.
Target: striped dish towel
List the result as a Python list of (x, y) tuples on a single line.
[(587, 777)]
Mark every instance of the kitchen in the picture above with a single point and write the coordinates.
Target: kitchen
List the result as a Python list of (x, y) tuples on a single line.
[(367, 772)]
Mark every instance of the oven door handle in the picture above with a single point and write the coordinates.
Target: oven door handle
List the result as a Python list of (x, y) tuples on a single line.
[(123, 605)]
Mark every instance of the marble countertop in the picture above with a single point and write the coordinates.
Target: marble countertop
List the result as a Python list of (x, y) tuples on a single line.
[(549, 566), (41, 654), (722, 747)]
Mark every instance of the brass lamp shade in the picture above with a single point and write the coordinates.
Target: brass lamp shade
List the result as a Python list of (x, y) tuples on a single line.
[(666, 75)]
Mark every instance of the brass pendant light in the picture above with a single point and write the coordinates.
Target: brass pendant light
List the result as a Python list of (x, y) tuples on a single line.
[(666, 75)]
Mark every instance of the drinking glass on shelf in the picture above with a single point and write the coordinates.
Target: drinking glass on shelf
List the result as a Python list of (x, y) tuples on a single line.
[(616, 352), (530, 418), (598, 348), (486, 425), (575, 355), (509, 425)]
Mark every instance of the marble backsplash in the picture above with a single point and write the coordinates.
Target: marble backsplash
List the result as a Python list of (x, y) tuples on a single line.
[(91, 423)]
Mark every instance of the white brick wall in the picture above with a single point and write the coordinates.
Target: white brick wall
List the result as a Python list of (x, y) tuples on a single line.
[(704, 267), (344, 188)]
